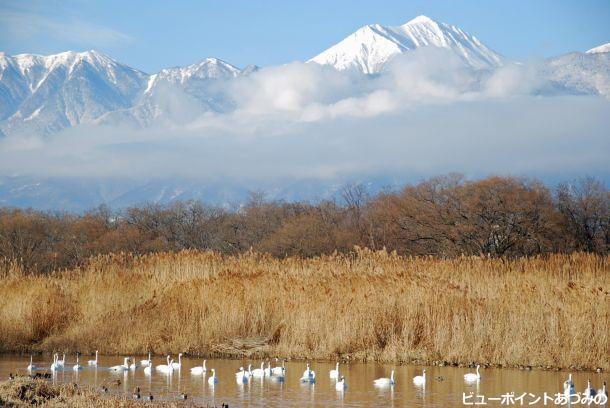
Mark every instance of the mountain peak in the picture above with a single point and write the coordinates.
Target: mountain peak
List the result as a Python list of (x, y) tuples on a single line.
[(372, 46), (600, 49), (421, 19)]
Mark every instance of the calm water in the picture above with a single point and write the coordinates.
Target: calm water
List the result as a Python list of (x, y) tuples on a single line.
[(444, 385)]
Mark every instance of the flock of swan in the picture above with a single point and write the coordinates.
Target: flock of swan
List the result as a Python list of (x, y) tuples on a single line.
[(590, 392), (277, 373), (243, 375)]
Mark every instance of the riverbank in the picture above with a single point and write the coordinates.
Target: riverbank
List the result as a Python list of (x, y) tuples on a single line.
[(25, 392), (548, 312)]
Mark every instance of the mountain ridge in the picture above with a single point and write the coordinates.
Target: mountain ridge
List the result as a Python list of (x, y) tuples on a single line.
[(44, 94), (371, 47)]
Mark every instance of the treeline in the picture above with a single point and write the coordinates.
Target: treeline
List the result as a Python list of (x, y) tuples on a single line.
[(443, 216)]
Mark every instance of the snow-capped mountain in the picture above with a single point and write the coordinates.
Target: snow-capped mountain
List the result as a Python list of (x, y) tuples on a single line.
[(579, 73), (372, 46), (44, 94), (179, 94), (40, 95), (600, 49)]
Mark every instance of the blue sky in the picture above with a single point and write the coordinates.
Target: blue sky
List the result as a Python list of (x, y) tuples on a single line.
[(150, 35)]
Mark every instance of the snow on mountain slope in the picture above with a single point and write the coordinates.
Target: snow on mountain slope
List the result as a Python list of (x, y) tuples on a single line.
[(599, 49), (41, 95), (178, 95), (579, 73), (372, 46), (45, 94), (209, 68)]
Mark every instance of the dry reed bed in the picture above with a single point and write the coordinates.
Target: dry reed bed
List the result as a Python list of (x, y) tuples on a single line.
[(26, 392), (544, 311)]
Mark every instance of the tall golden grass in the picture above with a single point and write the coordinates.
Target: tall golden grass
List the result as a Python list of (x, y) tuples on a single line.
[(549, 311)]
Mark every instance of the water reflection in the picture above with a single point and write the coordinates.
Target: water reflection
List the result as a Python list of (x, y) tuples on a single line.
[(444, 386)]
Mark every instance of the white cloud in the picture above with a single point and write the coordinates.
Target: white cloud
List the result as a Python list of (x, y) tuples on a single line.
[(426, 115), (30, 26)]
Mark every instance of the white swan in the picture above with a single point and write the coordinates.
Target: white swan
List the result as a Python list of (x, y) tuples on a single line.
[(55, 366), (341, 385), (590, 391), (134, 365), (32, 366), (242, 375), (259, 372), (568, 387), (122, 367), (384, 382), (145, 363), (472, 376), (93, 362), (199, 369), (77, 366), (166, 368), (268, 370), (335, 373), (420, 379), (149, 367), (308, 375), (178, 365), (279, 370), (61, 362), (604, 392), (213, 379)]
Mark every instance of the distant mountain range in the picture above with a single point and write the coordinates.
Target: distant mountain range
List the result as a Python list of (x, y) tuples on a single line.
[(42, 95)]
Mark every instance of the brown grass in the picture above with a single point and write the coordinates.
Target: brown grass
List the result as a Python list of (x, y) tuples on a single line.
[(25, 392), (543, 311)]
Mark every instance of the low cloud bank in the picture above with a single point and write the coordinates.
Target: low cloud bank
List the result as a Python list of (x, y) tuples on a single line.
[(427, 114)]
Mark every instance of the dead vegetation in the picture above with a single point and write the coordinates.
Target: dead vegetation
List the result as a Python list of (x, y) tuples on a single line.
[(543, 311)]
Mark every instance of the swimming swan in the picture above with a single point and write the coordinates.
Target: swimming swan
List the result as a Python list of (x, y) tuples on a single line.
[(279, 370), (268, 370), (213, 379), (134, 365), (259, 372), (77, 366), (55, 366), (384, 382), (335, 373), (199, 370), (568, 387), (472, 376), (148, 369), (178, 365), (32, 366), (242, 375), (166, 368), (308, 375), (145, 363), (603, 391), (93, 362), (122, 367), (341, 385), (420, 379), (589, 391), (61, 362)]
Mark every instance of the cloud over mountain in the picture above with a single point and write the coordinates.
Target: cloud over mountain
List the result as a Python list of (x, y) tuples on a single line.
[(300, 129)]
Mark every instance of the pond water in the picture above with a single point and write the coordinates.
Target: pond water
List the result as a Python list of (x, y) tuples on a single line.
[(444, 387)]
